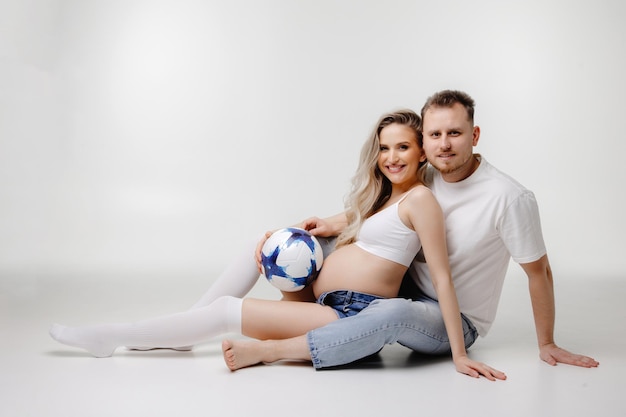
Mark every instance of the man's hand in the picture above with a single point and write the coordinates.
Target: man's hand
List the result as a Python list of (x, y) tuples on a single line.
[(326, 227), (317, 227), (552, 354)]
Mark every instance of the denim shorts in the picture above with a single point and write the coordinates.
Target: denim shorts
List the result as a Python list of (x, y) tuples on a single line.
[(346, 303)]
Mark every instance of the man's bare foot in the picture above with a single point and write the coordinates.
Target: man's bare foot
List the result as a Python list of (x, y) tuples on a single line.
[(243, 353)]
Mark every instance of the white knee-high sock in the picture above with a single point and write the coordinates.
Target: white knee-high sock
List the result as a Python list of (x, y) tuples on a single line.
[(237, 279), (242, 273), (181, 329)]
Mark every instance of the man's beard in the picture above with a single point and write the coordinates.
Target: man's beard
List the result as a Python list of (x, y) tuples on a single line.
[(450, 169)]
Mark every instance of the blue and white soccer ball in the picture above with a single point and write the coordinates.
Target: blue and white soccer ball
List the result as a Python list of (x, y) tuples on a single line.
[(291, 259)]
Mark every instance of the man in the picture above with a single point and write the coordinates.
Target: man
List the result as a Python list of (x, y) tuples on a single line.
[(490, 218)]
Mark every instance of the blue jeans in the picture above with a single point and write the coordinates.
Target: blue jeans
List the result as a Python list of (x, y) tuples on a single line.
[(346, 303), (417, 325)]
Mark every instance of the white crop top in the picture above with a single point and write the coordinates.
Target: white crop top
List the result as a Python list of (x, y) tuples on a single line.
[(385, 235)]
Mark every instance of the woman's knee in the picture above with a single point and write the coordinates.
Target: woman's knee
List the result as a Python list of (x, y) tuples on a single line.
[(392, 310)]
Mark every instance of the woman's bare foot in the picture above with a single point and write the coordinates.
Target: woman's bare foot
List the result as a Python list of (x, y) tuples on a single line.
[(243, 353)]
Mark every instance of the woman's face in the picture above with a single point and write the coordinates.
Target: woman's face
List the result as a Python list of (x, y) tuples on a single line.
[(399, 155)]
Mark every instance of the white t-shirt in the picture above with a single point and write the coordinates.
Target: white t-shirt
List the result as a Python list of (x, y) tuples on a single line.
[(490, 218)]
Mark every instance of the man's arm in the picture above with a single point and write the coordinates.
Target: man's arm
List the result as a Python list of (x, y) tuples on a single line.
[(542, 298)]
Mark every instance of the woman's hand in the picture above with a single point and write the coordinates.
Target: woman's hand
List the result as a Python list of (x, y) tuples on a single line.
[(475, 369), (257, 252)]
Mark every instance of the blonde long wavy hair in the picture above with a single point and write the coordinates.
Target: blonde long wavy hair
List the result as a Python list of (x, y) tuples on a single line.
[(370, 188)]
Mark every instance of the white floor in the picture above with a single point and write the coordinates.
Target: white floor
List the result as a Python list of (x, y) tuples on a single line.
[(39, 377)]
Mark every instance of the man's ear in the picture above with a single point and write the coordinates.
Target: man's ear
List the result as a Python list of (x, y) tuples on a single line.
[(475, 135)]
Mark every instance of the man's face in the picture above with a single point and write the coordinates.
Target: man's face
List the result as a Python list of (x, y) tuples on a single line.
[(449, 139)]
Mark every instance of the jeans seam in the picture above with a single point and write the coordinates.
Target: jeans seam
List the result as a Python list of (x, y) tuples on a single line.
[(374, 331), (313, 351)]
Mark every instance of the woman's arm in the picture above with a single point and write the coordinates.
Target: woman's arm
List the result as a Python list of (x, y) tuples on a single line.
[(427, 219)]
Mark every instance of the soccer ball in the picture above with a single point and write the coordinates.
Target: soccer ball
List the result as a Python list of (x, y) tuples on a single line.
[(291, 259)]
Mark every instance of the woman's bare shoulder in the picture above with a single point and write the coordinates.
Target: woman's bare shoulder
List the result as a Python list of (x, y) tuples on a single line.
[(421, 196), (420, 192)]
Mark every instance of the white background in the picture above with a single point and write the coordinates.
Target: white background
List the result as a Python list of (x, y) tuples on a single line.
[(156, 135)]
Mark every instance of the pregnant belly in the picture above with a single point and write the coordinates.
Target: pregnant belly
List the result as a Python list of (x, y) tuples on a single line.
[(352, 268)]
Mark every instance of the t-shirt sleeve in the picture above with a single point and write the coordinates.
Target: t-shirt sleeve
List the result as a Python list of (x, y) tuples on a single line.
[(520, 229)]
